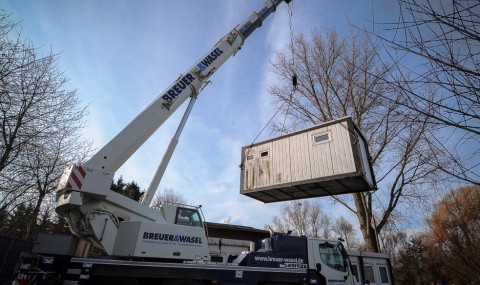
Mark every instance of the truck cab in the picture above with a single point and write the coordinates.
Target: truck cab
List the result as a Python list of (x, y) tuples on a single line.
[(319, 257), (330, 258)]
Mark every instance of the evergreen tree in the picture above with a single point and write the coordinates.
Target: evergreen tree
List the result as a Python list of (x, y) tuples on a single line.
[(16, 224), (21, 223), (118, 186), (130, 189)]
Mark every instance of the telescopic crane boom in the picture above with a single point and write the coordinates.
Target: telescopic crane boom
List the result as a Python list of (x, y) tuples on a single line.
[(107, 218)]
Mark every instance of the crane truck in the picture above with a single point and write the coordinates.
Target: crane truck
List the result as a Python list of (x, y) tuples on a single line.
[(169, 244)]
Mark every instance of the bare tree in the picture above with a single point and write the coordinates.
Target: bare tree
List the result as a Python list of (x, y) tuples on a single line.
[(40, 122), (302, 218), (392, 240), (340, 77), (227, 220), (345, 230), (443, 38), (168, 196), (44, 165)]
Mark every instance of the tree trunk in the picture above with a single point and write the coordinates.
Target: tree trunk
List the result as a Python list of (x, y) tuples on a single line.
[(365, 219), (32, 224)]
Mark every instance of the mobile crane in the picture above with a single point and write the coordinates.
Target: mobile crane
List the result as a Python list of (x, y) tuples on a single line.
[(111, 221), (169, 245)]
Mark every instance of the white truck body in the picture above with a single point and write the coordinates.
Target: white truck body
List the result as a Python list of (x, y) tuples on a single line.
[(279, 259)]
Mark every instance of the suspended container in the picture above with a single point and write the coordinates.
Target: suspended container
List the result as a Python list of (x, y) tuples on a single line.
[(325, 160)]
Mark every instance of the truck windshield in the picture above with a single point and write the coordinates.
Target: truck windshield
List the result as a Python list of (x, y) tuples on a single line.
[(331, 255)]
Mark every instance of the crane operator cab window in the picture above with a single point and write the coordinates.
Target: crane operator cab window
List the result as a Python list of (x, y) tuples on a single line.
[(332, 256), (188, 217)]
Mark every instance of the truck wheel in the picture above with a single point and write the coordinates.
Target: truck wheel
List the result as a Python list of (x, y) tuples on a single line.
[(182, 282), (116, 281)]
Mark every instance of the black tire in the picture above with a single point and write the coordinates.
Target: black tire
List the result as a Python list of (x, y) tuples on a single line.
[(116, 281), (182, 282)]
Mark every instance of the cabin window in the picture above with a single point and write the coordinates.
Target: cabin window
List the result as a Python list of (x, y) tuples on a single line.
[(369, 274), (321, 138), (250, 157), (383, 274), (264, 153), (215, 258), (188, 217), (355, 271), (332, 256)]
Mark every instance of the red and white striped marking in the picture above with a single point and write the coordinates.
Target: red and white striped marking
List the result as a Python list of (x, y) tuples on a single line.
[(76, 177)]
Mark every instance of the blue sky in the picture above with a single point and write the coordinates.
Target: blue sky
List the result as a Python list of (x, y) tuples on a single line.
[(120, 55)]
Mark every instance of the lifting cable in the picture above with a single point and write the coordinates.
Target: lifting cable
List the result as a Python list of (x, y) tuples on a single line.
[(294, 82), (290, 22), (292, 65), (264, 127)]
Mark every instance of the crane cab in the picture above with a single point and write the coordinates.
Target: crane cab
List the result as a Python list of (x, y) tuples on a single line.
[(184, 215), (182, 236)]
